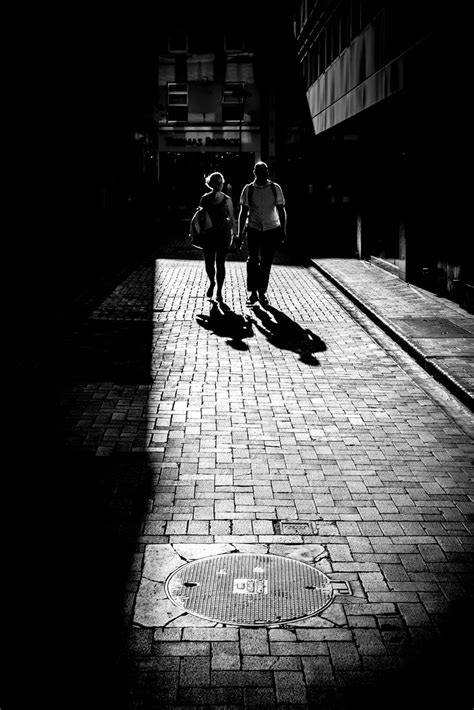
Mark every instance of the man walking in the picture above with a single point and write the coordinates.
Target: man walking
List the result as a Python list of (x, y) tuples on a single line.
[(262, 201)]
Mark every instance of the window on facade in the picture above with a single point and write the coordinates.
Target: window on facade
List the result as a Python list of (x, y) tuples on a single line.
[(316, 65), (312, 68), (232, 103), (328, 35), (369, 9), (345, 27), (335, 31), (233, 42), (355, 18), (322, 52), (379, 25), (306, 78), (303, 12), (178, 41), (177, 102)]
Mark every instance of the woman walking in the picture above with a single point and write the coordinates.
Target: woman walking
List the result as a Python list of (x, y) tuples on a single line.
[(220, 209)]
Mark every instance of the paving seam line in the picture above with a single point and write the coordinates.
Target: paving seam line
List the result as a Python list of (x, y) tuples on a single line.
[(428, 365)]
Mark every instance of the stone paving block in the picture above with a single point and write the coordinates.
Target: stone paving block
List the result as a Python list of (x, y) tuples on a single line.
[(259, 697), (194, 672), (271, 663), (243, 679), (318, 670), (369, 642), (307, 648), (331, 634), (414, 614), (344, 655), (279, 634), (183, 648), (163, 689), (211, 634), (167, 634), (225, 655), (290, 687), (355, 622), (254, 641), (140, 641)]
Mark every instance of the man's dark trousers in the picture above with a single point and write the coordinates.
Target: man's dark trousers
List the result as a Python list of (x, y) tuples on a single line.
[(261, 247)]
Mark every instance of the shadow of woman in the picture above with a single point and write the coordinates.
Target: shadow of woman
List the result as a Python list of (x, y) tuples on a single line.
[(225, 323), (285, 333)]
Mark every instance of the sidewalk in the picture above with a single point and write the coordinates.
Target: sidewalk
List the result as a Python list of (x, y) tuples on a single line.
[(300, 432), (437, 332)]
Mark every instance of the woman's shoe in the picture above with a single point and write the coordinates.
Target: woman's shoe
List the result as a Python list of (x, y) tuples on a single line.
[(210, 290)]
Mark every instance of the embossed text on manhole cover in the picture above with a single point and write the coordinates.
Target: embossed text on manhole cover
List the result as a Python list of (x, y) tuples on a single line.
[(249, 589)]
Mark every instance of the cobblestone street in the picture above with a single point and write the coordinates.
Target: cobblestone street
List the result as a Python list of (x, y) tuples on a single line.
[(211, 425)]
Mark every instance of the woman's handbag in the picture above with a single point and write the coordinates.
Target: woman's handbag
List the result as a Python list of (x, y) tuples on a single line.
[(198, 228)]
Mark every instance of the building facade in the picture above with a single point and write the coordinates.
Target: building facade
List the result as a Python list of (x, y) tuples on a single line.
[(380, 159), (209, 111)]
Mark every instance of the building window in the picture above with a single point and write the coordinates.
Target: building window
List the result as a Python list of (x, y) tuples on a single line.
[(232, 102), (316, 58), (178, 41), (328, 36), (356, 19), (303, 13), (233, 42), (177, 102), (322, 52), (369, 9), (345, 28), (336, 37)]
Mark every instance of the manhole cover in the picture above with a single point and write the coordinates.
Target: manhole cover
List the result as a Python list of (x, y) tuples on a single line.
[(249, 589)]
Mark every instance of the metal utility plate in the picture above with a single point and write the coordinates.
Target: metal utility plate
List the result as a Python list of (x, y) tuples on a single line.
[(431, 328), (290, 528), (249, 589)]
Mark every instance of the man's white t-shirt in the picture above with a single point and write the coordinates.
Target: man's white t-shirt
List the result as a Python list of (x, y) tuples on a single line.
[(263, 214)]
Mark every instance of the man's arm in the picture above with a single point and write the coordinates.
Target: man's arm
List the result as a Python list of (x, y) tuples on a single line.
[(244, 210), (282, 215), (233, 223)]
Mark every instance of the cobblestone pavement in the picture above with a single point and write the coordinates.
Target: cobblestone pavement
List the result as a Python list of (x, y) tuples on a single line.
[(236, 421)]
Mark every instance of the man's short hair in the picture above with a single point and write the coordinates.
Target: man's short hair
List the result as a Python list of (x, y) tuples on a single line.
[(260, 166)]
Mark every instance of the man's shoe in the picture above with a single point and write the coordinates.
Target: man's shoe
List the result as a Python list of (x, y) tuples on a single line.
[(264, 300), (252, 299)]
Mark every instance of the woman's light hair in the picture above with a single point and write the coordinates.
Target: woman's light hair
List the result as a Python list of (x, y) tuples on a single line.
[(214, 180)]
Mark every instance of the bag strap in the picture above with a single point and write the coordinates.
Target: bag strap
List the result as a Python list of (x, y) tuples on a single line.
[(274, 190), (250, 194)]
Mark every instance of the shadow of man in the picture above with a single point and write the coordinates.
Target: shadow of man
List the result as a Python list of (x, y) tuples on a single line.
[(283, 332), (225, 323)]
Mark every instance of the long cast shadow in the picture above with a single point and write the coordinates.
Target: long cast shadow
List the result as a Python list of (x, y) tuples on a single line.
[(283, 332), (225, 323), (103, 368)]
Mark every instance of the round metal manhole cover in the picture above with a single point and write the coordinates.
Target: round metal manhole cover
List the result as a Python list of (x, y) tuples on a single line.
[(249, 589)]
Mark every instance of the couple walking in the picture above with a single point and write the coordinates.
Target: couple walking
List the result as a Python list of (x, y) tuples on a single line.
[(262, 216)]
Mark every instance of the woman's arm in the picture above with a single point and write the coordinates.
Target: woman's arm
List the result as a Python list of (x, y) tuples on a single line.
[(233, 222)]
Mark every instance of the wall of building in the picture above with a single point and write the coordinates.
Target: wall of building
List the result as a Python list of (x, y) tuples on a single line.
[(384, 126), (217, 131)]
